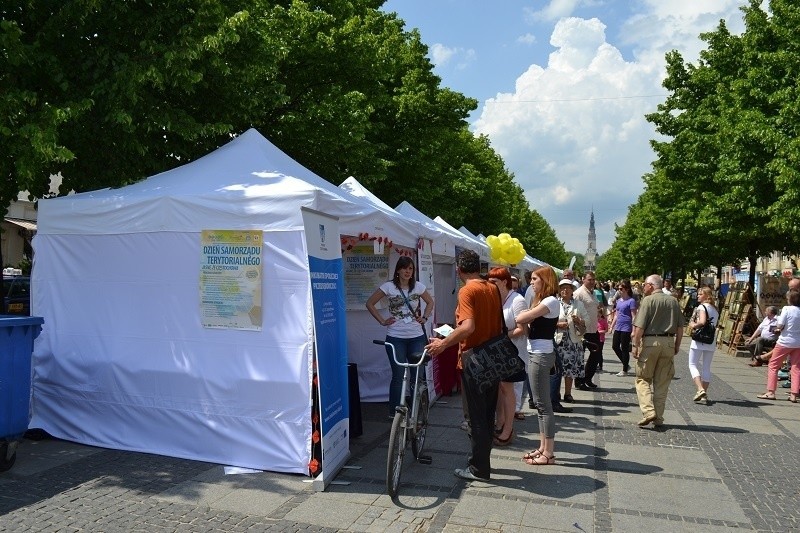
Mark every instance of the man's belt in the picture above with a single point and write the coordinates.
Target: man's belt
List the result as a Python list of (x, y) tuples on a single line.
[(659, 334)]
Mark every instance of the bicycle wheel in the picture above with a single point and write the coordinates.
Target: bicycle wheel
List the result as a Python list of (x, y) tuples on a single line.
[(418, 440), (394, 459)]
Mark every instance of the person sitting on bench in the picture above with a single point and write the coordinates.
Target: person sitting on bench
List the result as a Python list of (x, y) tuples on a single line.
[(764, 337)]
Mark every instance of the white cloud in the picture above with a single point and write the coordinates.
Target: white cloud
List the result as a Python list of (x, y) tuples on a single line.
[(557, 9), (441, 54), (526, 39), (573, 131), (469, 56)]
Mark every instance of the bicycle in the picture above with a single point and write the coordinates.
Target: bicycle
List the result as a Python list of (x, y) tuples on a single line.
[(408, 424)]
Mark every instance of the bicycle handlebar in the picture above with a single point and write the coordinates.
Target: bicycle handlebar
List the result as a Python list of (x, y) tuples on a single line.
[(422, 360)]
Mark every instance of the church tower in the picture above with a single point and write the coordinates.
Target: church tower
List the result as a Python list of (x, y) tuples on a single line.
[(590, 259)]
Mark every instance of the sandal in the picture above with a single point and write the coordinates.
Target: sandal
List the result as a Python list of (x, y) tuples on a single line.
[(766, 396), (792, 398), (542, 459), (503, 442), (532, 454), (519, 416)]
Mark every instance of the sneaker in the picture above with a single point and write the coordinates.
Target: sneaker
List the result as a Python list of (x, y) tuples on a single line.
[(646, 421), (621, 374), (464, 473), (783, 374), (699, 395)]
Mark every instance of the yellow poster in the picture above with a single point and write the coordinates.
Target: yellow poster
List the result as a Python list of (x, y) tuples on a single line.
[(230, 279), (364, 271)]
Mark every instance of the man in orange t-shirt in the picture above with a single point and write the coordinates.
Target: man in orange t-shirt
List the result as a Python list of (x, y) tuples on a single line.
[(478, 319)]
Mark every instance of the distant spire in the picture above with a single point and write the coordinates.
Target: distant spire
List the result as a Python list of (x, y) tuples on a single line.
[(590, 259)]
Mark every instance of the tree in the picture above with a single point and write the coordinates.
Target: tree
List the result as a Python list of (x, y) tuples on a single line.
[(111, 92)]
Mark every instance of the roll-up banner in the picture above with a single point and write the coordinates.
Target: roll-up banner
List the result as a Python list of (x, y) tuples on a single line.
[(330, 341)]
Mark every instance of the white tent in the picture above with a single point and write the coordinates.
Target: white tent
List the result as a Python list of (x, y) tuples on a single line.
[(124, 362), (481, 248), (445, 245)]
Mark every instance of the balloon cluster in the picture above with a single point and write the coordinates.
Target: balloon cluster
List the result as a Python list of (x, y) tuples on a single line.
[(504, 248)]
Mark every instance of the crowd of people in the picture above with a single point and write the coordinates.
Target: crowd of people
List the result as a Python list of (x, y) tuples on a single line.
[(559, 328)]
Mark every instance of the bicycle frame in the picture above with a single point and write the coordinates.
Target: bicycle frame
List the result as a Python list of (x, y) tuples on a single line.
[(424, 358), (406, 426)]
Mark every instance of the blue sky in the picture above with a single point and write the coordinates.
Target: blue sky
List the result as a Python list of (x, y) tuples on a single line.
[(563, 87)]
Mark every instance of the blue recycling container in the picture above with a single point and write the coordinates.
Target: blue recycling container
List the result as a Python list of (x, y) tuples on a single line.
[(16, 347)]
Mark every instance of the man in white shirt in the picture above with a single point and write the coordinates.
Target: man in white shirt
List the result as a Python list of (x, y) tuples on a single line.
[(667, 288), (763, 337), (585, 294)]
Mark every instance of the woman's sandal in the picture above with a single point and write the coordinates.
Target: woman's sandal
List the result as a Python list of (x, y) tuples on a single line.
[(532, 455), (541, 460), (792, 398), (519, 416), (766, 396)]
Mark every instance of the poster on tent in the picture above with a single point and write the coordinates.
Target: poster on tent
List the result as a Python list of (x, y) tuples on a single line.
[(330, 338), (230, 279), (364, 271)]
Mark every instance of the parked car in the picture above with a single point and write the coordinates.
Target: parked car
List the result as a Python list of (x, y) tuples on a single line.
[(17, 295)]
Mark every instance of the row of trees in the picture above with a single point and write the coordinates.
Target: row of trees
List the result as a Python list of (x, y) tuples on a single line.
[(109, 92), (725, 186)]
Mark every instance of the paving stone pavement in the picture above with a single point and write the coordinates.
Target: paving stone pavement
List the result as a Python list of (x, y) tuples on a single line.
[(711, 468)]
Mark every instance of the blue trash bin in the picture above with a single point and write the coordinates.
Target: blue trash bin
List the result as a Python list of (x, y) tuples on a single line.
[(16, 346)]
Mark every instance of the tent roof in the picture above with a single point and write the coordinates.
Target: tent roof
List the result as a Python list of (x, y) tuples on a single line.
[(450, 235), (355, 188), (247, 183)]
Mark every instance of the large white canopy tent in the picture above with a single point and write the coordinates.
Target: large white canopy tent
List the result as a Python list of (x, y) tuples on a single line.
[(123, 360)]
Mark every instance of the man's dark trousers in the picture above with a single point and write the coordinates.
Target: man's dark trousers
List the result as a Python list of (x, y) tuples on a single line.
[(481, 407), (592, 341), (555, 381)]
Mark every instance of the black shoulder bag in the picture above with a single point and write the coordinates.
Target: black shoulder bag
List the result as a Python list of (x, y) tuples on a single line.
[(495, 360), (704, 333)]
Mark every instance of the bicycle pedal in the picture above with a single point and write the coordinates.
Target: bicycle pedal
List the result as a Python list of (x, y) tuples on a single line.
[(424, 459)]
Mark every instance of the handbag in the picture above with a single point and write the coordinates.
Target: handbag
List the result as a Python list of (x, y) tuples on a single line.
[(495, 360), (706, 332)]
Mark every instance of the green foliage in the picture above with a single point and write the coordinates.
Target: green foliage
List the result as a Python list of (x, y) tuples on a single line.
[(724, 186), (109, 92)]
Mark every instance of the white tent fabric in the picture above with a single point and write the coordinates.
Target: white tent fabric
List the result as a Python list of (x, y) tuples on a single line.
[(481, 248), (451, 238), (123, 361)]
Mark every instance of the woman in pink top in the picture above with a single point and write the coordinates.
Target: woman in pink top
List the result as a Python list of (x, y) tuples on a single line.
[(787, 345)]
